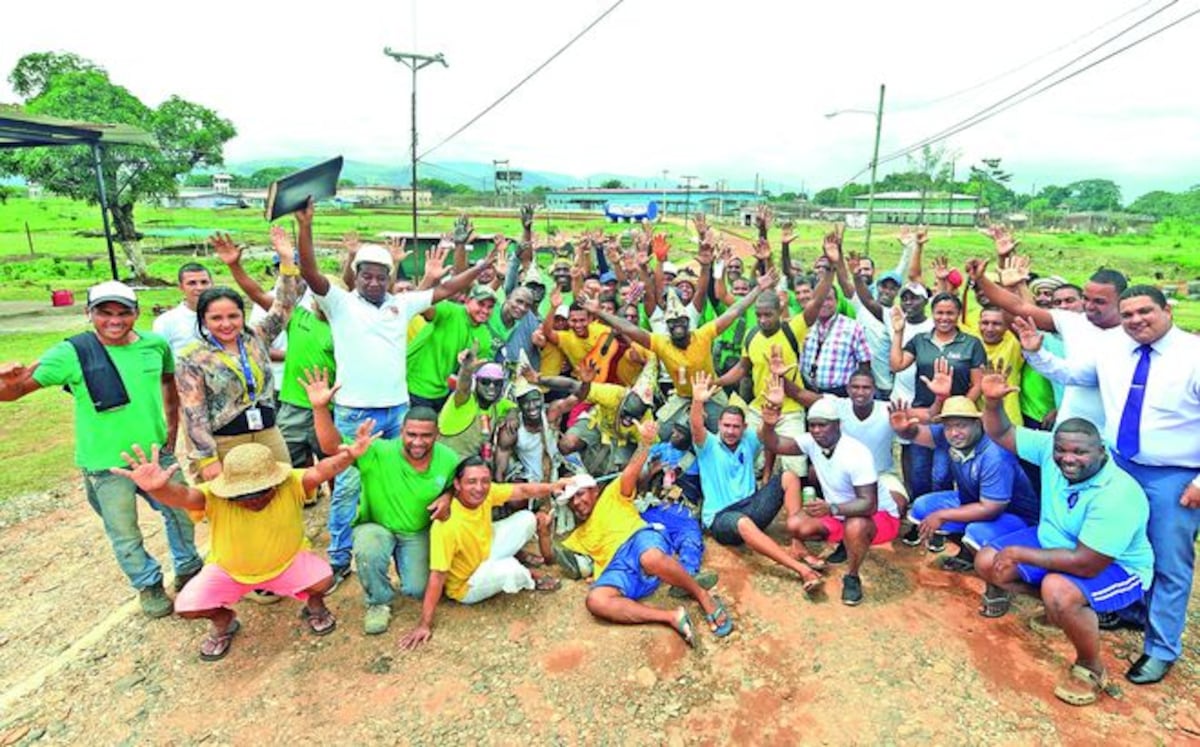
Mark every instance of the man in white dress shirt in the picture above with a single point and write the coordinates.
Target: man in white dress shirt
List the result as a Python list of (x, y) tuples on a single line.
[(1148, 374)]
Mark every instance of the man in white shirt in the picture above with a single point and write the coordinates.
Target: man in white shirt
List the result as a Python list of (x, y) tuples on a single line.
[(370, 339), (178, 325), (1148, 374), (852, 509)]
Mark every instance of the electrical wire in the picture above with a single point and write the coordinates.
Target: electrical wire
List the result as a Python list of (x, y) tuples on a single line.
[(523, 81)]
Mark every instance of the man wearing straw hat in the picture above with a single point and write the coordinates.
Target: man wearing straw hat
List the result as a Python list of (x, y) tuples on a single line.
[(255, 508)]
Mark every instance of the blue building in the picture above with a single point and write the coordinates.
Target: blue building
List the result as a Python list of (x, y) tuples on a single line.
[(670, 201)]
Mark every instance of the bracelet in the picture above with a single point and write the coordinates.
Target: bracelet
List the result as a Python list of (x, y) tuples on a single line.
[(289, 270)]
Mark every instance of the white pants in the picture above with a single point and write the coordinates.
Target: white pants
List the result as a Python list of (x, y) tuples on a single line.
[(792, 425), (501, 571)]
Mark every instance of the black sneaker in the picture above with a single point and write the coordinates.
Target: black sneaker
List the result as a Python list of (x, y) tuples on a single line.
[(838, 555), (182, 579), (852, 593), (1114, 621), (340, 574), (936, 543), (912, 537)]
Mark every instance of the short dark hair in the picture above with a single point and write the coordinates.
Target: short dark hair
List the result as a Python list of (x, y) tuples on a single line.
[(1110, 277), (191, 267), (863, 370), (420, 414), (211, 296), (1069, 286), (732, 410), (990, 307), (575, 306), (1154, 294), (474, 460), (1079, 425), (944, 296)]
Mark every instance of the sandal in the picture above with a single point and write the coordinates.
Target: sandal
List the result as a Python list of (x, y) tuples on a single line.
[(214, 647), (956, 564), (546, 582), (813, 585), (683, 626), (995, 606), (320, 622), (1081, 686), (720, 630), (530, 560), (812, 561)]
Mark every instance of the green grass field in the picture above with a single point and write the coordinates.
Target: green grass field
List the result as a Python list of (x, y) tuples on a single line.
[(36, 439)]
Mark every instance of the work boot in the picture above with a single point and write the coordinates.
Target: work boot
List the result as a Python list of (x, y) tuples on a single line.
[(377, 619), (182, 579), (154, 601)]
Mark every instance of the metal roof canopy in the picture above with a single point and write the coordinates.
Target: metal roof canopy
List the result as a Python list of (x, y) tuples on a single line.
[(19, 129)]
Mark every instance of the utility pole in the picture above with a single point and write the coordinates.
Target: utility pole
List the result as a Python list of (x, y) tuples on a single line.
[(687, 202), (874, 166), (663, 211), (496, 178), (414, 62)]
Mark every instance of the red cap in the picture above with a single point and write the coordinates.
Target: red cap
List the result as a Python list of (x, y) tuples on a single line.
[(955, 279)]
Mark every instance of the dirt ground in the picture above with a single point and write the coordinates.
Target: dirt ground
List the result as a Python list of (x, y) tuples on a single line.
[(914, 663)]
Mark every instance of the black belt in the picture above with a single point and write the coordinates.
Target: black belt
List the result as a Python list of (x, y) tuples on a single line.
[(239, 427)]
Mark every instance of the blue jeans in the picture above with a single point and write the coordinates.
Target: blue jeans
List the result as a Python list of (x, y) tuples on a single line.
[(114, 499), (1172, 531), (682, 531), (977, 533), (343, 504), (377, 548), (926, 470)]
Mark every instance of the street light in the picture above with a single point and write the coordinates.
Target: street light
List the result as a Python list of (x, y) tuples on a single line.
[(878, 114), (414, 62)]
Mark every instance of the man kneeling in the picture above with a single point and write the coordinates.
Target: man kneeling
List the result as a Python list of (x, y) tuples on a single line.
[(630, 557), (255, 508)]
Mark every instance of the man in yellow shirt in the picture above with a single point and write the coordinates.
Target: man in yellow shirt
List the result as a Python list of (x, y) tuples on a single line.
[(1001, 344), (583, 335), (255, 509), (470, 557), (630, 557)]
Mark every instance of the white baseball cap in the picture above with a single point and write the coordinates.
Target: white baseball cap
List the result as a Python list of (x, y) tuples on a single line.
[(374, 254), (669, 269), (578, 483), (824, 409), (111, 290)]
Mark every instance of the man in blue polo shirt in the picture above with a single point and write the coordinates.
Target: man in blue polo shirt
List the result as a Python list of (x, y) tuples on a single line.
[(1089, 556), (734, 512), (992, 496)]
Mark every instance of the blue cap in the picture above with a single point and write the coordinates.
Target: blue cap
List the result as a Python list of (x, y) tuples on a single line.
[(608, 277), (893, 276)]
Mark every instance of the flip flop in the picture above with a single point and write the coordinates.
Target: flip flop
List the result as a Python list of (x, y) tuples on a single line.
[(723, 629), (530, 560), (546, 582), (955, 564), (813, 585), (812, 561), (997, 606), (320, 623), (1081, 686), (215, 647), (683, 626)]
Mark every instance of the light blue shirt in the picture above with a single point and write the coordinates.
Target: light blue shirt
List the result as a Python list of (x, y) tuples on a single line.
[(726, 475), (1107, 512)]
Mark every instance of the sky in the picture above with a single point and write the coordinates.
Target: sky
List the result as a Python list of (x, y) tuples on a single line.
[(719, 90)]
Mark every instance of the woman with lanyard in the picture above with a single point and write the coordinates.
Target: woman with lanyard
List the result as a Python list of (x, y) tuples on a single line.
[(226, 390), (945, 349)]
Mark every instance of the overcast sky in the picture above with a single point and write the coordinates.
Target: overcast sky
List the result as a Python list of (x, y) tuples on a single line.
[(714, 89)]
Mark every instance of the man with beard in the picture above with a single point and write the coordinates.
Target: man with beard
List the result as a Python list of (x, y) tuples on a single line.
[(470, 417), (452, 329), (405, 485)]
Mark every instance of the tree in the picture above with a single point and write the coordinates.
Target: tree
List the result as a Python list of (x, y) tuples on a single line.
[(990, 182), (66, 85), (1090, 195), (613, 184), (827, 197)]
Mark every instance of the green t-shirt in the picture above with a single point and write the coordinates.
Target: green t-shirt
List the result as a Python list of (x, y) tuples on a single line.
[(460, 426), (309, 345), (568, 298), (844, 307), (394, 494), (433, 355), (100, 437)]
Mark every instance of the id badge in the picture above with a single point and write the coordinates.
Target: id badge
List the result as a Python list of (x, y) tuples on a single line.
[(254, 419)]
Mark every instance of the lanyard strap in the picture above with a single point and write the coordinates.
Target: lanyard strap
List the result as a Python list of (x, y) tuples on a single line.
[(247, 368)]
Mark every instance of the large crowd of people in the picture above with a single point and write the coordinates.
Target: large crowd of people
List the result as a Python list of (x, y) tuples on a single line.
[(590, 409)]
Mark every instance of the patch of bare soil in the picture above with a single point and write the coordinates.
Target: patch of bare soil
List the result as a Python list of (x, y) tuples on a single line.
[(914, 663)]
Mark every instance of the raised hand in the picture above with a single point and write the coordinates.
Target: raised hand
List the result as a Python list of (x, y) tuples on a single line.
[(647, 228), (145, 471), (897, 320), (351, 242), (464, 231), (901, 417), (788, 234), (281, 242), (831, 246), (922, 235), (527, 217), (435, 262), (768, 280), (648, 432), (1004, 241), (556, 299), (775, 393), (660, 247), (588, 371), (763, 219), (590, 304), (941, 267), (776, 363), (700, 223), (975, 268), (363, 436), (942, 383), (703, 386), (994, 384), (762, 250), (228, 252), (1017, 270), (316, 385), (1028, 334), (706, 252), (468, 359), (396, 246)]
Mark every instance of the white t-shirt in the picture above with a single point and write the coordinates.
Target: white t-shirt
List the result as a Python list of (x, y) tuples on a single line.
[(879, 340), (370, 345), (904, 385), (875, 432), (849, 466), (1079, 336), (178, 326)]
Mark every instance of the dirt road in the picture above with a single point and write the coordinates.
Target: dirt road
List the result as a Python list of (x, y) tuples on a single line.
[(914, 663)]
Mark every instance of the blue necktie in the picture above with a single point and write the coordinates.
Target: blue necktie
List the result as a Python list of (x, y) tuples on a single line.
[(1128, 432)]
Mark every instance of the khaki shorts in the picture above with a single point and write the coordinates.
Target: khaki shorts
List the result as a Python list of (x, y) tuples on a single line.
[(792, 425)]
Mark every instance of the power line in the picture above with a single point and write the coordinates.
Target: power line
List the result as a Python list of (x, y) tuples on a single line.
[(1008, 101), (523, 81)]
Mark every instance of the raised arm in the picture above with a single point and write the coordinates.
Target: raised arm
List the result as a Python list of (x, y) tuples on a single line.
[(647, 435), (463, 280), (342, 457), (466, 374), (320, 394), (230, 255), (908, 426), (735, 312), (620, 324), (977, 270), (309, 270), (704, 255), (150, 477), (864, 292), (994, 386), (772, 442), (703, 388), (464, 233), (812, 309), (16, 380), (899, 358)]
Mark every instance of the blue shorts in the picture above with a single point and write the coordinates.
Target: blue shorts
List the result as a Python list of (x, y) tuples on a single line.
[(625, 573), (977, 533), (1114, 588)]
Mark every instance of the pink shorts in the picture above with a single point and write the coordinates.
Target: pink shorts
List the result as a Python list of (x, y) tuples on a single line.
[(213, 587), (887, 528)]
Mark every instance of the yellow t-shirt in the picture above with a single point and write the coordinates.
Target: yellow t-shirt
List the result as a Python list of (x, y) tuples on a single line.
[(759, 353), (613, 520), (603, 417), (575, 347), (460, 544), (253, 546), (681, 364), (627, 370), (1009, 351), (552, 361)]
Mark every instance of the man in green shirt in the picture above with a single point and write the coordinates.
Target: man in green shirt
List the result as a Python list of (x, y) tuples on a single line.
[(139, 405), (452, 328), (406, 484)]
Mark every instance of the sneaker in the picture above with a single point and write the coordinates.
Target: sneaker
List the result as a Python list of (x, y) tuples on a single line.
[(182, 579), (377, 619), (936, 543), (852, 593), (155, 602), (340, 574), (838, 555), (912, 537), (1114, 621)]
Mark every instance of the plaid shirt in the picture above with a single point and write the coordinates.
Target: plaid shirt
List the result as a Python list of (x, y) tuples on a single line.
[(833, 350)]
